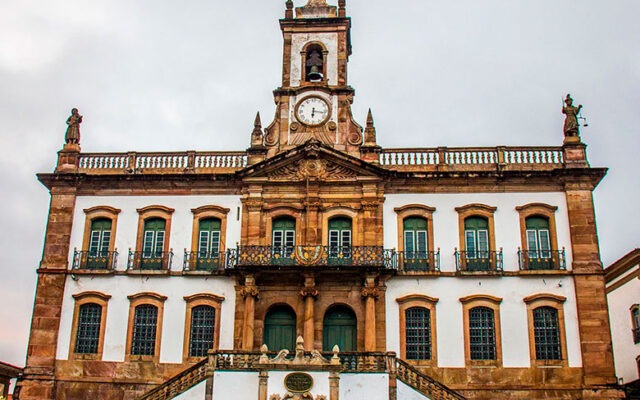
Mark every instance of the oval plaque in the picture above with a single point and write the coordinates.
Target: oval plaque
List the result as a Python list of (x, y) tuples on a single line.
[(298, 382)]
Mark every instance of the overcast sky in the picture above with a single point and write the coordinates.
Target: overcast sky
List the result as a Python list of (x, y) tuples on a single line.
[(173, 75)]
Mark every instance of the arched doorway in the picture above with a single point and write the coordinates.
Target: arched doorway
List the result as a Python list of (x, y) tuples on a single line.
[(339, 327), (280, 328)]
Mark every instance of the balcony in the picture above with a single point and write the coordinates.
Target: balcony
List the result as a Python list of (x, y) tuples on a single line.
[(419, 261), (311, 256), (636, 335), (479, 261), (533, 260), (149, 261), (94, 260), (203, 261)]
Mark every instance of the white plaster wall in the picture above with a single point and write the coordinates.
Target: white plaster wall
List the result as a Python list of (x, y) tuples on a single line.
[(513, 313), (507, 222), (235, 385), (275, 384), (329, 40), (406, 392), (173, 326), (181, 221), (364, 386), (624, 350), (195, 393)]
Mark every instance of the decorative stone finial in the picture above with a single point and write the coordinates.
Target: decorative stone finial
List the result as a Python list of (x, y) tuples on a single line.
[(73, 130), (370, 131), (571, 124), (335, 359), (288, 14), (342, 8), (256, 135)]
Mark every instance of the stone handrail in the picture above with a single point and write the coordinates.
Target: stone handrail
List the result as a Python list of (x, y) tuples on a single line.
[(169, 162), (431, 388), (471, 156), (179, 383)]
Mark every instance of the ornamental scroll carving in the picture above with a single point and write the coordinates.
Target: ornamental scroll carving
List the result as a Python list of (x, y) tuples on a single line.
[(251, 291), (312, 169), (372, 292)]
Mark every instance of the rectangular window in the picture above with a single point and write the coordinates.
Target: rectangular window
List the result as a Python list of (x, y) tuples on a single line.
[(418, 333), (546, 333), (482, 335), (470, 242), (202, 330), (88, 333), (145, 322)]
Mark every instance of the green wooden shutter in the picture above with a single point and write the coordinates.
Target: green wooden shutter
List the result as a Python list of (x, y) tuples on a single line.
[(100, 237), (340, 237)]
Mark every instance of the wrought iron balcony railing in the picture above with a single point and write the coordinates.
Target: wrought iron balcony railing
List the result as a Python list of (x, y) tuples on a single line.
[(95, 260), (542, 259), (150, 261), (477, 261), (353, 256), (636, 335), (203, 261), (419, 261)]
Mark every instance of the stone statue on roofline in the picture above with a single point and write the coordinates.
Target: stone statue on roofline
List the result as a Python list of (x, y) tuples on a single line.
[(73, 130), (571, 124)]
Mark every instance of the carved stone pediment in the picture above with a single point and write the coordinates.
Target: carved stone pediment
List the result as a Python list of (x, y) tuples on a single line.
[(313, 161)]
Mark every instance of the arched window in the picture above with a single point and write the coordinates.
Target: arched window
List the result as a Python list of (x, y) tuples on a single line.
[(314, 63), (153, 243), (145, 323), (202, 330), (208, 244), (546, 333), (482, 334), (476, 240), (99, 244), (538, 242), (416, 248), (339, 238), (280, 328), (283, 239), (88, 328), (418, 333), (339, 328)]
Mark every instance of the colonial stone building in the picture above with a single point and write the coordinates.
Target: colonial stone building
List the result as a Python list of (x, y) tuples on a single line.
[(442, 273), (623, 289)]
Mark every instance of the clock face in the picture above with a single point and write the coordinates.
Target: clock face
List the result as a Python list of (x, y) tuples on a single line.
[(312, 111)]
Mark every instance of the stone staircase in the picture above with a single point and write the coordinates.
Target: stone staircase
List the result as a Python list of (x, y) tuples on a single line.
[(351, 362), (180, 383)]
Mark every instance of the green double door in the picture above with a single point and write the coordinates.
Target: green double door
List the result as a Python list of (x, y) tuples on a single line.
[(280, 329), (339, 328)]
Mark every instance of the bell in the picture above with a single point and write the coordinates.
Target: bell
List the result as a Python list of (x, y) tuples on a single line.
[(314, 75)]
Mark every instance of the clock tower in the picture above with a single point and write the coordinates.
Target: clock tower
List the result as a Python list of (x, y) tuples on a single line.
[(314, 100)]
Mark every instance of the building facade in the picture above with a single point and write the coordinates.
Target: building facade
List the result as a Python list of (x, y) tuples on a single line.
[(478, 267), (623, 287)]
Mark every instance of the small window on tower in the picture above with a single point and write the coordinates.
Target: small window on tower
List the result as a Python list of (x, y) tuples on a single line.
[(314, 64)]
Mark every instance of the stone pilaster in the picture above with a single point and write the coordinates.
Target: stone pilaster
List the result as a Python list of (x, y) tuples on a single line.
[(250, 293), (593, 317), (309, 293), (370, 294), (38, 382), (263, 381), (334, 385)]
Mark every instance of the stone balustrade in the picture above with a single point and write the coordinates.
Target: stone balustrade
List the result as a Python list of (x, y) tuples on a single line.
[(427, 159)]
